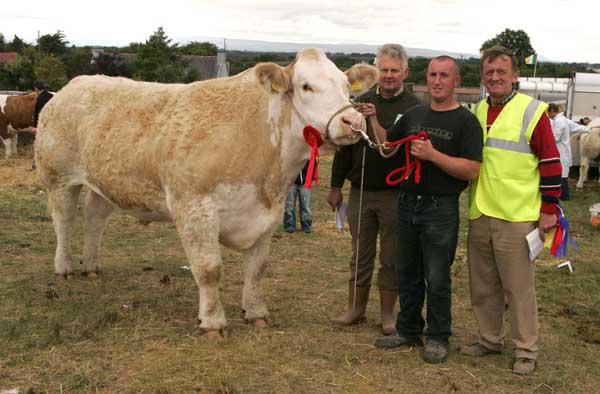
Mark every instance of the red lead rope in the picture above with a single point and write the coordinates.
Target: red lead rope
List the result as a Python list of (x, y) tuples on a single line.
[(314, 140), (407, 169)]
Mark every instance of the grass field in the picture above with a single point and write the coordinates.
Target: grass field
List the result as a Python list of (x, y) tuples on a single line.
[(134, 330)]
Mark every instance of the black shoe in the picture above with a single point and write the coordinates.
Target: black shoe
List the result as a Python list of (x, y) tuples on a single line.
[(435, 352), (394, 341), (289, 230)]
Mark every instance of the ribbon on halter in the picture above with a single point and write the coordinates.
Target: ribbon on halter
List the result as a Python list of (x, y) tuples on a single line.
[(407, 169), (312, 136), (561, 236)]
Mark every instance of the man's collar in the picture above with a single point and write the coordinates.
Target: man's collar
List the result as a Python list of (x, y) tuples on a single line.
[(398, 93), (502, 102)]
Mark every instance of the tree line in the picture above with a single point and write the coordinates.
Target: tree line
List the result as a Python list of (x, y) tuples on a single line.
[(158, 59)]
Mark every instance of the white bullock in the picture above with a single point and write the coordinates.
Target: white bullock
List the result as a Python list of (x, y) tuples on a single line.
[(589, 150), (215, 157)]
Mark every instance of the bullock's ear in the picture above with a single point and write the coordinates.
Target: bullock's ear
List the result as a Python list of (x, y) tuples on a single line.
[(361, 77), (273, 78)]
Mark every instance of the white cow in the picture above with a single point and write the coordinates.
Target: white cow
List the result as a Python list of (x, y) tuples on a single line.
[(215, 157), (589, 150)]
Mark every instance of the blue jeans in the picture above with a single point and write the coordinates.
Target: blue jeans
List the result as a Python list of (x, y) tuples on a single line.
[(289, 214), (426, 236)]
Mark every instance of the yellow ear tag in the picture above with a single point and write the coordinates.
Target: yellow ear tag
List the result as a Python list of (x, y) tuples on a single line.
[(356, 86), (276, 87)]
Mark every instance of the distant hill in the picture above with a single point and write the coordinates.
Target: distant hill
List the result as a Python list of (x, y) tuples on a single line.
[(269, 46)]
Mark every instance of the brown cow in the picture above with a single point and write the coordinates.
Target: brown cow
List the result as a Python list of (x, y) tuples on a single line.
[(17, 115), (215, 157)]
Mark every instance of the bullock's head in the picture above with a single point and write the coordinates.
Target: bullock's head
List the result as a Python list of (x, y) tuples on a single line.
[(320, 92)]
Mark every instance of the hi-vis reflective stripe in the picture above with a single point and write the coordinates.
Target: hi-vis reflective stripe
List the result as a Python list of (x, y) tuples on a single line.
[(522, 145)]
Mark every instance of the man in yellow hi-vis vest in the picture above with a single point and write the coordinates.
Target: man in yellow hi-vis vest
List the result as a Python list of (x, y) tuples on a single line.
[(517, 189)]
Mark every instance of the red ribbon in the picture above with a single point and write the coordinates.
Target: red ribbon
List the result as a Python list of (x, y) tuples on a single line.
[(313, 138), (407, 169)]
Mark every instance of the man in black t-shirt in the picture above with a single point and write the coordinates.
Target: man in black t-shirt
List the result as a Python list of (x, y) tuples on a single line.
[(428, 214)]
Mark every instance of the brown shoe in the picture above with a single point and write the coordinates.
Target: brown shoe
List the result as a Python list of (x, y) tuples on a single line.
[(476, 350), (523, 366), (356, 310)]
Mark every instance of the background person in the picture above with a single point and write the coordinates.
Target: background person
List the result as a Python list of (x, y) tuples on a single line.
[(517, 189), (428, 212), (43, 97), (378, 200), (304, 197), (562, 129)]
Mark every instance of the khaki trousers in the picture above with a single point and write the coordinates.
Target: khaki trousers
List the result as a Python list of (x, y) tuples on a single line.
[(500, 271), (378, 217)]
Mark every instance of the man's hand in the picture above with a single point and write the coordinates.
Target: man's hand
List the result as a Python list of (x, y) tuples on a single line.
[(546, 222), (423, 149), (367, 109), (335, 198)]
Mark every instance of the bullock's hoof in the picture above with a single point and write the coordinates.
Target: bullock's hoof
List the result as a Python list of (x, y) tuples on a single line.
[(213, 335), (259, 323), (91, 275)]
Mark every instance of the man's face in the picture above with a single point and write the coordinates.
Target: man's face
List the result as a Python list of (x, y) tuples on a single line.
[(498, 76), (552, 114), (391, 75), (442, 78)]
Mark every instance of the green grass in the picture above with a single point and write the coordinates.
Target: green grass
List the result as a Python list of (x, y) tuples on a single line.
[(132, 331)]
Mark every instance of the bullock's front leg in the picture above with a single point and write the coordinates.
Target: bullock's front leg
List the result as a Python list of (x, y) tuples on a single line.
[(97, 213), (198, 228), (255, 260), (7, 147), (584, 165)]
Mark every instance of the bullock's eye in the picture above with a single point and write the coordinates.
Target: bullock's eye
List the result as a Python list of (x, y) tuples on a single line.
[(306, 87)]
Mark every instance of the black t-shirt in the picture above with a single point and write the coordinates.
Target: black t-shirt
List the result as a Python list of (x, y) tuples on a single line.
[(456, 132)]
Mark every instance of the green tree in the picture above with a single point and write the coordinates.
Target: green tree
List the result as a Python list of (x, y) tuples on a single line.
[(17, 45), (157, 60), (53, 43), (198, 49), (77, 61), (111, 64), (2, 43), (21, 72), (52, 71), (515, 40)]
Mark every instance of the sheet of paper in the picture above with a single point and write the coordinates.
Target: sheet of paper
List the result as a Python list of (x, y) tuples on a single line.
[(535, 244), (340, 216)]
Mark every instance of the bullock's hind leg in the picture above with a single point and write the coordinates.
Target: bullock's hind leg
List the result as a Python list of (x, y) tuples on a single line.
[(63, 202), (253, 302), (198, 229), (97, 213)]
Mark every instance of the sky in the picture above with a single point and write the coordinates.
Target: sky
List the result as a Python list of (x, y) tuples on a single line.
[(560, 30)]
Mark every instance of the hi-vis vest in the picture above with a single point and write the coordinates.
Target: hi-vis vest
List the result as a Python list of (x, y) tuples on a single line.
[(509, 179)]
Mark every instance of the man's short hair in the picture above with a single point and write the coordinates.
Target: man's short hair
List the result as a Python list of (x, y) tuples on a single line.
[(39, 85), (395, 51), (448, 58), (552, 107), (496, 51)]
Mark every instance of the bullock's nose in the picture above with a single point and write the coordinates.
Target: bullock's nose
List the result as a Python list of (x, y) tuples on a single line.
[(354, 119)]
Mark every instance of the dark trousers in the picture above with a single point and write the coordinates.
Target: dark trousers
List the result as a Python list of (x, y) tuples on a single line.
[(426, 237), (564, 189)]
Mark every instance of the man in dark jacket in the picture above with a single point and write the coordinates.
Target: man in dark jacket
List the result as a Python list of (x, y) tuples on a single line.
[(378, 198), (43, 97)]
